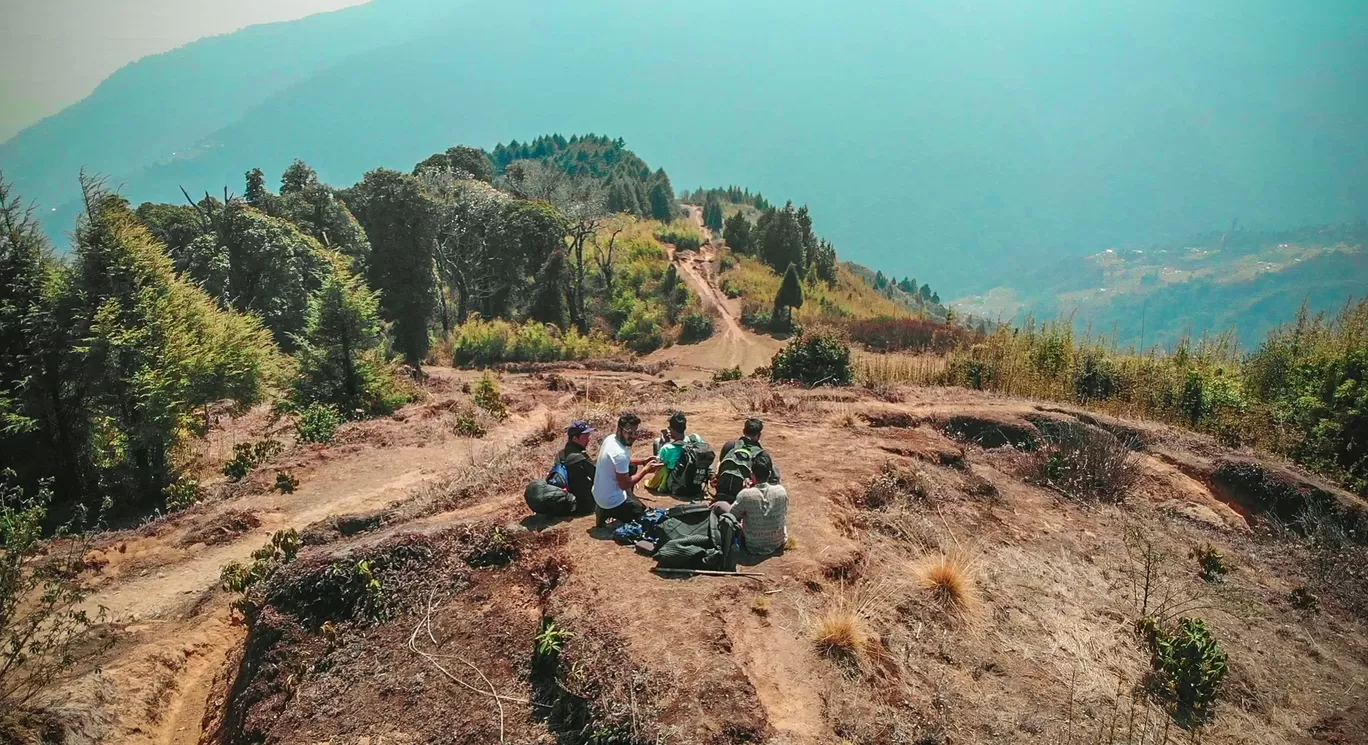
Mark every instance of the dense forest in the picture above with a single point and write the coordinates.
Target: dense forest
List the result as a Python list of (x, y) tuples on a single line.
[(328, 301)]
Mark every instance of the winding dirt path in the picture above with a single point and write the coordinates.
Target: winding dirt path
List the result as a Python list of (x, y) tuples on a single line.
[(731, 345)]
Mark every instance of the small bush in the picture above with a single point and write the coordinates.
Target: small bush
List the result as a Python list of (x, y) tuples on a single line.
[(761, 606), (551, 639), (246, 578), (695, 327), (480, 342), (1189, 666), (757, 317), (1211, 565), (41, 622), (1303, 599), (727, 374), (317, 423), (644, 330), (182, 493), (487, 396), (683, 237), (286, 482), (467, 424), (814, 358), (1089, 465), (894, 484), (249, 455)]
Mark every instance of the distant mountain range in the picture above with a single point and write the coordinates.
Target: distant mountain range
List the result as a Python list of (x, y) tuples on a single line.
[(1239, 281), (961, 144)]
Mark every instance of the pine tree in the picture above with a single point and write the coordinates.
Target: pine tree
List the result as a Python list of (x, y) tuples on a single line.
[(712, 214), (737, 233), (338, 358), (790, 296), (256, 187)]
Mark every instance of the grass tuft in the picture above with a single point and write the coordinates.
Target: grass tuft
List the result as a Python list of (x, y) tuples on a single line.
[(839, 633), (949, 579)]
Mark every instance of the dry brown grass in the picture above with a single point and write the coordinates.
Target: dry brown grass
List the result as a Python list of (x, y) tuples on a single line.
[(549, 430), (840, 633), (949, 578), (761, 606)]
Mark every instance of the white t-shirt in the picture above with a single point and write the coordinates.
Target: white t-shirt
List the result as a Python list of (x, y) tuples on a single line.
[(613, 458)]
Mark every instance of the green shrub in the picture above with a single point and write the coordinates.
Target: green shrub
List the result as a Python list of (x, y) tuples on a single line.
[(317, 423), (467, 424), (1189, 666), (1211, 565), (684, 237), (486, 395), (644, 330), (246, 578), (182, 493), (757, 317), (41, 593), (478, 342), (727, 374), (814, 358), (249, 455), (286, 482), (696, 327)]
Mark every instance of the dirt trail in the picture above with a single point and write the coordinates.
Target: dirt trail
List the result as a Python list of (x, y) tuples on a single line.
[(178, 631), (731, 345)]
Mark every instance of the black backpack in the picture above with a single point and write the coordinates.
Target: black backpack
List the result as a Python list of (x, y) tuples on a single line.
[(546, 499), (690, 475), (737, 469)]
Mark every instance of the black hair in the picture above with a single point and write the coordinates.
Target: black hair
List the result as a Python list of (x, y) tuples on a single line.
[(629, 421), (753, 428), (678, 422), (762, 469)]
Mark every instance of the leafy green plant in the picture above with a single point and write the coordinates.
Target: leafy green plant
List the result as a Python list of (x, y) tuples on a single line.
[(286, 482), (551, 639), (727, 374), (317, 423), (249, 455), (182, 493), (695, 327), (487, 396), (814, 358), (1211, 564), (467, 424), (41, 622), (246, 578), (1189, 667)]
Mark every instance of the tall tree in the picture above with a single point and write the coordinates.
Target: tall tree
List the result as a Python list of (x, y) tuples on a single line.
[(549, 292), (521, 241), (790, 296), (297, 177), (471, 161), (779, 237), (465, 212), (662, 197), (256, 187), (737, 233), (338, 357), (712, 213), (150, 350), (400, 220)]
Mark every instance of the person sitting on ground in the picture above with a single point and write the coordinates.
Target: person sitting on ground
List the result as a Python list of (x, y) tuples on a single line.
[(749, 440), (675, 432), (762, 510), (667, 448), (617, 474), (580, 469)]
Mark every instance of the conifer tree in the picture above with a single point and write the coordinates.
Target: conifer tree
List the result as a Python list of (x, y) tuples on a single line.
[(548, 301), (338, 357), (737, 233), (712, 214), (790, 296)]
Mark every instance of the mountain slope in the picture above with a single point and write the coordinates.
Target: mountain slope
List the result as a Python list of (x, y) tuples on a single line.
[(160, 108), (960, 144)]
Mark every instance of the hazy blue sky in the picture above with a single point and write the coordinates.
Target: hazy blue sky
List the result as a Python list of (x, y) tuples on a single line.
[(54, 52)]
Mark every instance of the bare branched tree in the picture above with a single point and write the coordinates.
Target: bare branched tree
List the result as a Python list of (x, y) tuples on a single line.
[(466, 209)]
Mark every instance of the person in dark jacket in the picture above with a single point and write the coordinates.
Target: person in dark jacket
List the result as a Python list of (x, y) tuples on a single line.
[(575, 456), (749, 439)]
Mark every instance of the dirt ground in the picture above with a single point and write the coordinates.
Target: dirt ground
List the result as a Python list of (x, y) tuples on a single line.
[(1044, 649)]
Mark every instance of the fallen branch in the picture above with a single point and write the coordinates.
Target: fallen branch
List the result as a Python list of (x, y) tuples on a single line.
[(707, 572)]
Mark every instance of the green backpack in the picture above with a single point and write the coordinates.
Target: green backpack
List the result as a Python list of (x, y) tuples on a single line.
[(737, 469)]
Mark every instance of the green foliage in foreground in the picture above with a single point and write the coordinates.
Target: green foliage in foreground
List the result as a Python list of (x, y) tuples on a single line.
[(1189, 667), (1303, 393), (814, 358), (479, 342), (41, 622)]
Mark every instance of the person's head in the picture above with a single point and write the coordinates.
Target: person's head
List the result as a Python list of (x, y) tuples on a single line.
[(579, 432), (752, 428), (678, 423), (629, 427), (762, 470)]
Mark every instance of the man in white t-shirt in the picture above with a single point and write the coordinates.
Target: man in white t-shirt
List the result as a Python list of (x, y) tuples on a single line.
[(614, 476)]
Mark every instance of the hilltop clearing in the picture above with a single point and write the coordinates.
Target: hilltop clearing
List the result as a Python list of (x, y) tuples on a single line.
[(1037, 644)]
